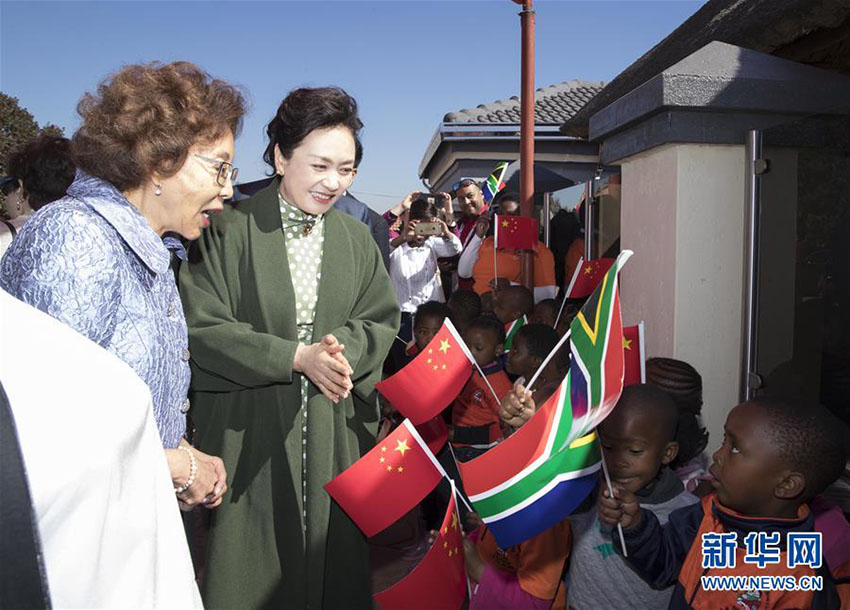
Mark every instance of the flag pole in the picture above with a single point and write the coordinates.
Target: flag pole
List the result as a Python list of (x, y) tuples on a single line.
[(611, 491), (415, 434), (569, 290), (487, 381), (454, 486), (642, 352), (495, 253), (402, 340), (465, 348), (546, 361), (454, 492)]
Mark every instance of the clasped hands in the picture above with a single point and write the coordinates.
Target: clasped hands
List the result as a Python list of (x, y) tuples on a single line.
[(325, 365)]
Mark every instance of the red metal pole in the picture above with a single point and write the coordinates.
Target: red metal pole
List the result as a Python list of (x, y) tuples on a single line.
[(526, 155)]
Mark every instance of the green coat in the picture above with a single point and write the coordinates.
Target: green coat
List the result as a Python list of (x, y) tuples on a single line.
[(246, 402)]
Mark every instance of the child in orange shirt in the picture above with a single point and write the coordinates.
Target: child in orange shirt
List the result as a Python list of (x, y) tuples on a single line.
[(475, 414)]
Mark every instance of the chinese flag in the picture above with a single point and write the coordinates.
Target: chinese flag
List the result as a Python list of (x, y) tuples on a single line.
[(435, 433), (633, 355), (387, 482), (515, 233), (587, 277), (439, 581), (433, 379)]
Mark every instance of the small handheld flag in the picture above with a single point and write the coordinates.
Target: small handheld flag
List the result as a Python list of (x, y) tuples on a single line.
[(515, 232), (433, 379), (383, 485), (511, 330), (634, 355), (439, 581), (587, 276), (495, 182), (536, 477)]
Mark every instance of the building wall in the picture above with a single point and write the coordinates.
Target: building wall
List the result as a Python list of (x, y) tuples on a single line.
[(683, 215)]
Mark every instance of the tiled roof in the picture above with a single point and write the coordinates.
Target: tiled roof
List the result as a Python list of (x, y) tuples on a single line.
[(552, 105)]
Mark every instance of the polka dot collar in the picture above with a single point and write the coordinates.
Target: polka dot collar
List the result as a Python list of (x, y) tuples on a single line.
[(292, 217)]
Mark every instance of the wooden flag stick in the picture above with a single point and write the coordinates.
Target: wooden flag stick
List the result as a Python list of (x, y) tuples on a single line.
[(546, 361), (455, 493), (495, 251), (415, 434), (471, 358), (487, 381), (569, 289), (611, 491), (454, 487)]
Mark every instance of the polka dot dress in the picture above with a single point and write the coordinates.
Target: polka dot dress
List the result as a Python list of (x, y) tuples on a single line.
[(304, 250)]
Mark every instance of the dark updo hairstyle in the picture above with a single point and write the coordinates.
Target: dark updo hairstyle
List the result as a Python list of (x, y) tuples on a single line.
[(44, 167), (683, 384), (306, 109), (145, 118)]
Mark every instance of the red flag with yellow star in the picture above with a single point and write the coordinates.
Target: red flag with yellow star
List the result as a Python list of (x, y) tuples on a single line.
[(515, 233), (587, 276), (634, 355), (433, 379), (388, 481), (439, 581)]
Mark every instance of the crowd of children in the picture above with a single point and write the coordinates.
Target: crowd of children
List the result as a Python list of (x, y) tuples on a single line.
[(775, 460)]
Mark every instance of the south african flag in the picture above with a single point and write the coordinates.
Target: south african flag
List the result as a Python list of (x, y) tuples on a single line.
[(511, 330), (494, 182), (539, 475)]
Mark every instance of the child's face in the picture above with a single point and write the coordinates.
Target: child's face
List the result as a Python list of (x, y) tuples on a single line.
[(425, 328), (635, 448), (503, 311), (484, 345), (544, 315), (520, 361), (748, 468)]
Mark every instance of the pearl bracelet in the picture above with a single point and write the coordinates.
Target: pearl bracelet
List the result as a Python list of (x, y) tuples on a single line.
[(193, 470)]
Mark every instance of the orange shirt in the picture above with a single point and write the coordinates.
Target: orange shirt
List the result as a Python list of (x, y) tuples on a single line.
[(476, 406), (538, 563), (509, 266), (574, 253)]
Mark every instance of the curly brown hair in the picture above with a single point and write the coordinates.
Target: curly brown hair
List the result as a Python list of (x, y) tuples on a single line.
[(145, 118)]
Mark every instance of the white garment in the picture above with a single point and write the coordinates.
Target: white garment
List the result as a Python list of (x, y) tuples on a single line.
[(467, 260), (6, 236), (108, 519), (415, 274)]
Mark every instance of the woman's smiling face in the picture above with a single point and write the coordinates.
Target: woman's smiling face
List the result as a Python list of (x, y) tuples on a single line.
[(319, 170)]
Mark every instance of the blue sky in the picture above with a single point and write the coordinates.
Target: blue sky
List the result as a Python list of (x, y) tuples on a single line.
[(407, 62)]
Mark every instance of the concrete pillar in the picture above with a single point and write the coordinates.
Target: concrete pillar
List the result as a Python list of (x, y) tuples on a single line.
[(683, 215)]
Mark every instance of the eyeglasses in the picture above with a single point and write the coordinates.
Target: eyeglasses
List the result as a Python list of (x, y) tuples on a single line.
[(226, 171), (464, 182)]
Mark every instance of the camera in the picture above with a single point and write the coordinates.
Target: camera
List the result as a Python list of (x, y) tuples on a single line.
[(428, 228)]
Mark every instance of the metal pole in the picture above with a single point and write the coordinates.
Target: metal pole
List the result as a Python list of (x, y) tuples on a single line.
[(526, 175), (750, 380), (547, 215), (588, 220)]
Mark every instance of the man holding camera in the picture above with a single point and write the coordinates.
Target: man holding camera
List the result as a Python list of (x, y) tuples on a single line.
[(414, 271)]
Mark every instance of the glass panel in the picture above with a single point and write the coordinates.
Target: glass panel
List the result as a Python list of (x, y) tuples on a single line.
[(804, 292)]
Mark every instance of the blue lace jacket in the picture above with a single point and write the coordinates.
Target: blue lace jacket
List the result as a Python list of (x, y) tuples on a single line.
[(92, 261)]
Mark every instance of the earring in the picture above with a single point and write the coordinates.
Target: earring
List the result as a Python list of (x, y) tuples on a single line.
[(158, 190)]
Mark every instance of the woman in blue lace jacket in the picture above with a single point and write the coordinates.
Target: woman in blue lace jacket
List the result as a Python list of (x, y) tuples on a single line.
[(154, 156)]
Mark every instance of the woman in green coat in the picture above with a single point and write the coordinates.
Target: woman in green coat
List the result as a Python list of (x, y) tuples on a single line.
[(291, 314)]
